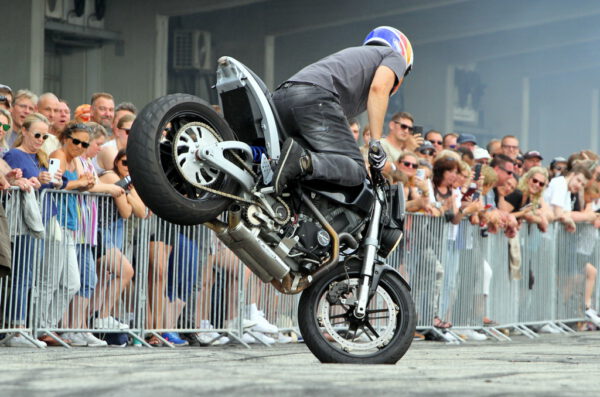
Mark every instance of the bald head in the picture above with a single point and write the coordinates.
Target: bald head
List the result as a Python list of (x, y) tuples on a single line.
[(48, 105)]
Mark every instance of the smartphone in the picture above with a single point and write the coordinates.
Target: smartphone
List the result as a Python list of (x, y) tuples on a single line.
[(417, 129), (53, 166), (124, 183), (476, 174)]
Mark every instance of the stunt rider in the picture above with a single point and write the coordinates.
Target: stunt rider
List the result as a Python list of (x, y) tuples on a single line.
[(316, 103)]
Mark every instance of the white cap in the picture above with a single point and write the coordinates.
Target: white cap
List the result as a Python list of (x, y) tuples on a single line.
[(480, 153)]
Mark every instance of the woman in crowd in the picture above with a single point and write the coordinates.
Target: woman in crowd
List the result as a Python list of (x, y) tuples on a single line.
[(416, 189), (60, 278), (526, 201), (28, 156), (116, 270), (5, 126), (86, 239)]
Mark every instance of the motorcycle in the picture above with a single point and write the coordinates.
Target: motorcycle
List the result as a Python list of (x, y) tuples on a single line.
[(193, 166)]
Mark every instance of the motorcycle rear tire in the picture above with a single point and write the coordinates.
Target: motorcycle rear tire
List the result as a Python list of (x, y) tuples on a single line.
[(325, 351), (154, 174)]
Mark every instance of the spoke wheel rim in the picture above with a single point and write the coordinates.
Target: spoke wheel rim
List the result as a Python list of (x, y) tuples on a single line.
[(373, 342)]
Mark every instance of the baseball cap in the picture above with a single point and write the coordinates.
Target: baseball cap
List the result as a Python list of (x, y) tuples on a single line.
[(557, 160), (480, 153), (426, 145), (463, 138), (531, 154)]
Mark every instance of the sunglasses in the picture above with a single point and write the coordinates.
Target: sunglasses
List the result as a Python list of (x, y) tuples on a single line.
[(434, 142), (5, 127), (518, 165), (507, 171), (405, 126), (126, 130), (452, 146), (408, 164), (124, 162), (558, 168), (77, 142), (39, 135), (4, 99), (538, 182), (428, 152)]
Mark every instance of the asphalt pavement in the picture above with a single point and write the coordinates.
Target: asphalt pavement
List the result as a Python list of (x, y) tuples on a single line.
[(560, 365)]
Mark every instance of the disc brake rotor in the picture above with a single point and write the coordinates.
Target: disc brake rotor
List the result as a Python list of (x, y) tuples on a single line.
[(384, 307), (187, 141)]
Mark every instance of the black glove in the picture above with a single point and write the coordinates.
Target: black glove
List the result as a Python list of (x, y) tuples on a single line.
[(377, 156)]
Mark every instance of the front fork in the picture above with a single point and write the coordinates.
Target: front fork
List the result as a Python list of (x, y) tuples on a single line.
[(371, 244)]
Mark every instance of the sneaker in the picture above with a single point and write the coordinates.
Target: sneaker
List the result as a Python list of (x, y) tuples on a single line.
[(109, 323), (20, 341), (473, 335), (262, 324), (418, 336), (246, 323), (267, 340), (592, 315), (76, 338), (92, 341), (174, 338), (548, 329), (283, 339), (449, 338), (289, 166)]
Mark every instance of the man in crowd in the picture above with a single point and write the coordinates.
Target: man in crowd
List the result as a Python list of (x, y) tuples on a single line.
[(102, 107), (494, 147), (63, 117), (436, 139), (481, 156), (467, 141), (450, 140), (121, 110), (558, 167), (24, 104), (510, 146), (400, 137), (532, 158), (355, 128), (48, 105)]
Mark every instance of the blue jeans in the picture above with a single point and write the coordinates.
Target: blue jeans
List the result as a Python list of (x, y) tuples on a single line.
[(25, 254), (87, 269), (183, 269)]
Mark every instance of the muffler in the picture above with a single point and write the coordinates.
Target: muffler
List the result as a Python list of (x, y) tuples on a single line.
[(251, 250)]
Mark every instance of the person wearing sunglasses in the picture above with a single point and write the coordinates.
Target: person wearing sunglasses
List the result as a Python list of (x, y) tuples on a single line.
[(526, 202), (33, 162), (450, 141), (5, 125), (106, 157), (400, 138), (558, 167)]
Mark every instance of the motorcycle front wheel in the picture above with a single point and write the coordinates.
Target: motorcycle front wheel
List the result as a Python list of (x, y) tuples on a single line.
[(334, 335), (161, 148)]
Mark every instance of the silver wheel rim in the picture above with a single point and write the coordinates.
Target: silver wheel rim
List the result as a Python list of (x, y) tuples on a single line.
[(359, 343), (187, 141)]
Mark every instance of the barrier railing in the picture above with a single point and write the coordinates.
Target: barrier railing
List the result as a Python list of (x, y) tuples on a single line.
[(95, 272)]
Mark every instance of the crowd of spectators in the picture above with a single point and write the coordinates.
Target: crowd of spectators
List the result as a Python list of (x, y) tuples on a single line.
[(86, 270), (498, 186)]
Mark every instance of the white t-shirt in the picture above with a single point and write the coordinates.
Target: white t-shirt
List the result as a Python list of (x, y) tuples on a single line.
[(558, 194)]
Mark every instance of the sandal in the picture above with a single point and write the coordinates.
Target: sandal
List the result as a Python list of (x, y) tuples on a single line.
[(438, 323), (154, 341)]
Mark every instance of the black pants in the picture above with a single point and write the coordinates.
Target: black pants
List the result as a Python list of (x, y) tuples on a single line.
[(314, 117)]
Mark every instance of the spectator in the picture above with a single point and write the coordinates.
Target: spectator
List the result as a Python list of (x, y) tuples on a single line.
[(102, 109), (124, 108), (5, 125), (63, 117), (466, 155), (23, 105), (435, 138), (6, 92), (531, 159), (366, 136), (83, 113), (450, 140), (116, 270), (481, 156), (48, 105), (519, 166), (416, 190), (426, 151), (558, 166), (109, 150), (494, 147), (33, 162), (467, 141), (399, 139), (510, 146), (526, 201), (355, 128)]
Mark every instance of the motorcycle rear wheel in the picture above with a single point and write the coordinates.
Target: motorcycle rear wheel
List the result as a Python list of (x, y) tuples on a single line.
[(164, 171), (334, 335)]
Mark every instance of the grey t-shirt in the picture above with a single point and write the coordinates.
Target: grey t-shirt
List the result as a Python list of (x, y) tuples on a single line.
[(349, 73)]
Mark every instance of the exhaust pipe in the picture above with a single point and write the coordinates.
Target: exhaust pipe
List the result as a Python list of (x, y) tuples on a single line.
[(251, 250)]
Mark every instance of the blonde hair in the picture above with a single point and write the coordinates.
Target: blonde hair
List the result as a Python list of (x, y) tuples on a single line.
[(27, 123), (447, 153), (6, 114), (523, 187)]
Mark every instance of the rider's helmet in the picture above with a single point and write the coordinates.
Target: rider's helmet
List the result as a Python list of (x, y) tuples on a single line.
[(392, 37)]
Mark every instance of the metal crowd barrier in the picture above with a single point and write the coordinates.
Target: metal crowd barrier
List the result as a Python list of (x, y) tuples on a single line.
[(96, 272)]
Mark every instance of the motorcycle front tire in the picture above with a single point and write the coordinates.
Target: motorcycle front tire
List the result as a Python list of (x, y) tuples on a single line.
[(326, 351)]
